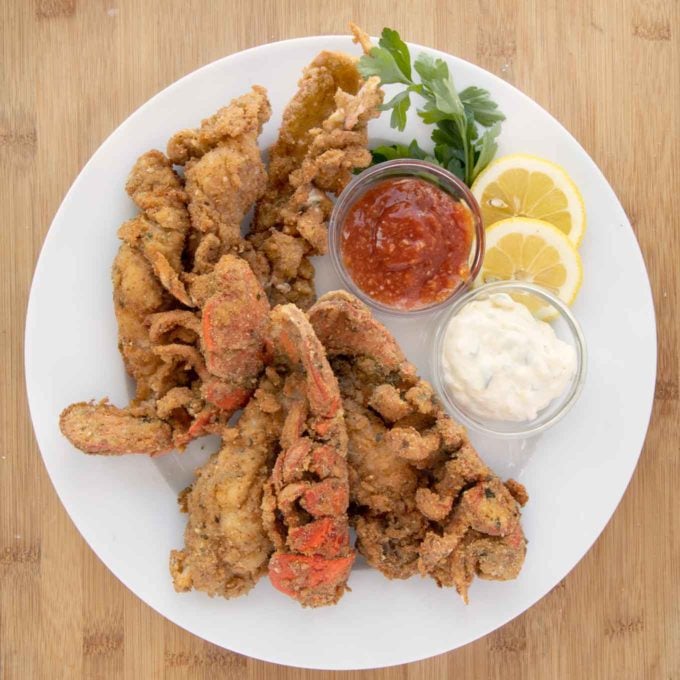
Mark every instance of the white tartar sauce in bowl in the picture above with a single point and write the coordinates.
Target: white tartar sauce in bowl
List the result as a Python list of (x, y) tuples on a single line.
[(501, 363)]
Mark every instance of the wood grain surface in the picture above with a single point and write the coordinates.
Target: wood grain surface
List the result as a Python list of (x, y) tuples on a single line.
[(72, 70)]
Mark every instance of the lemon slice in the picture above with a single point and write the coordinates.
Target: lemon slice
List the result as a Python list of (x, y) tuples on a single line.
[(521, 185), (524, 249)]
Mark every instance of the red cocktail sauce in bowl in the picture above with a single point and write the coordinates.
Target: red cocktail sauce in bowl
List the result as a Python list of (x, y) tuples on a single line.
[(406, 236)]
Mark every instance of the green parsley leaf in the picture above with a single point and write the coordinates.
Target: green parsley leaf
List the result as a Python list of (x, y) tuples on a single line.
[(418, 153), (393, 151), (392, 42), (478, 101), (447, 133), (436, 78), (487, 147), (459, 144), (400, 105), (380, 62), (451, 158)]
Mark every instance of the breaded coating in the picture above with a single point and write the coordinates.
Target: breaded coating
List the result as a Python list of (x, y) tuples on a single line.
[(102, 428), (306, 497), (159, 231), (224, 172), (223, 344), (240, 121), (338, 148), (157, 191), (226, 548), (390, 533), (387, 401), (148, 262), (222, 186), (311, 105), (422, 499), (322, 140), (278, 485), (136, 294), (360, 37), (199, 368)]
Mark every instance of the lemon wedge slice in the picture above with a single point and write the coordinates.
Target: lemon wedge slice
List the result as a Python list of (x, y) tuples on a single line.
[(521, 185), (524, 249)]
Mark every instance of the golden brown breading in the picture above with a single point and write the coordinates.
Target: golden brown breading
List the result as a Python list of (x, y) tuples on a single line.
[(200, 367), (306, 497), (103, 428), (422, 498), (159, 231), (322, 141), (136, 294), (361, 37), (233, 323), (222, 186), (157, 191), (226, 548), (518, 491), (149, 260), (270, 256), (224, 172), (492, 558), (239, 513), (383, 486), (311, 105), (241, 120)]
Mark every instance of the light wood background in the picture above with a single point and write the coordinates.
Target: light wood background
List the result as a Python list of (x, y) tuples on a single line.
[(72, 70)]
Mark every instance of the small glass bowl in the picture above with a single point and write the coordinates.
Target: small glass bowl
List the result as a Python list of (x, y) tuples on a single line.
[(566, 328), (404, 168)]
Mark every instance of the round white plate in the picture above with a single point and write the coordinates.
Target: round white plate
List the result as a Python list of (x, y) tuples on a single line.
[(126, 508)]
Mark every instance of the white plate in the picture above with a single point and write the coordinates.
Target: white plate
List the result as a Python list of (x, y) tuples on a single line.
[(126, 508)]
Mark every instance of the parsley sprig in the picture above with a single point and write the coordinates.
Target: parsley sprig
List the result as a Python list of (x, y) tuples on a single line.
[(459, 144)]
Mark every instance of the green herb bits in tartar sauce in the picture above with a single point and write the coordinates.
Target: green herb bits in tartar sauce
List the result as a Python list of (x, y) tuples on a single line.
[(501, 363)]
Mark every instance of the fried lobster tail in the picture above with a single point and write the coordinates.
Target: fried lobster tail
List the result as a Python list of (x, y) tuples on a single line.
[(422, 499), (306, 497)]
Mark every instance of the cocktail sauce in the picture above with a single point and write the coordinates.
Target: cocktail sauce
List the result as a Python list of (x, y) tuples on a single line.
[(406, 242)]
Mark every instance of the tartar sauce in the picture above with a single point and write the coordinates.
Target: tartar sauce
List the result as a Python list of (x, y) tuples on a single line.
[(502, 363)]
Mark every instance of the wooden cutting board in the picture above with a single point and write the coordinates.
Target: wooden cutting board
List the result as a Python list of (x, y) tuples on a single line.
[(72, 70)]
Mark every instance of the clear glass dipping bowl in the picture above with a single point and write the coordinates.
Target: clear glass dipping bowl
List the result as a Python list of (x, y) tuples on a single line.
[(390, 170), (566, 328)]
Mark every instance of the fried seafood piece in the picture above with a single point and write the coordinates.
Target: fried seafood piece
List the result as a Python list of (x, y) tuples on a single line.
[(226, 547), (311, 105), (137, 293), (322, 140), (244, 506), (159, 231), (240, 121), (337, 148), (388, 524), (146, 269), (307, 494), (422, 499), (220, 352), (224, 173), (231, 331), (101, 428)]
